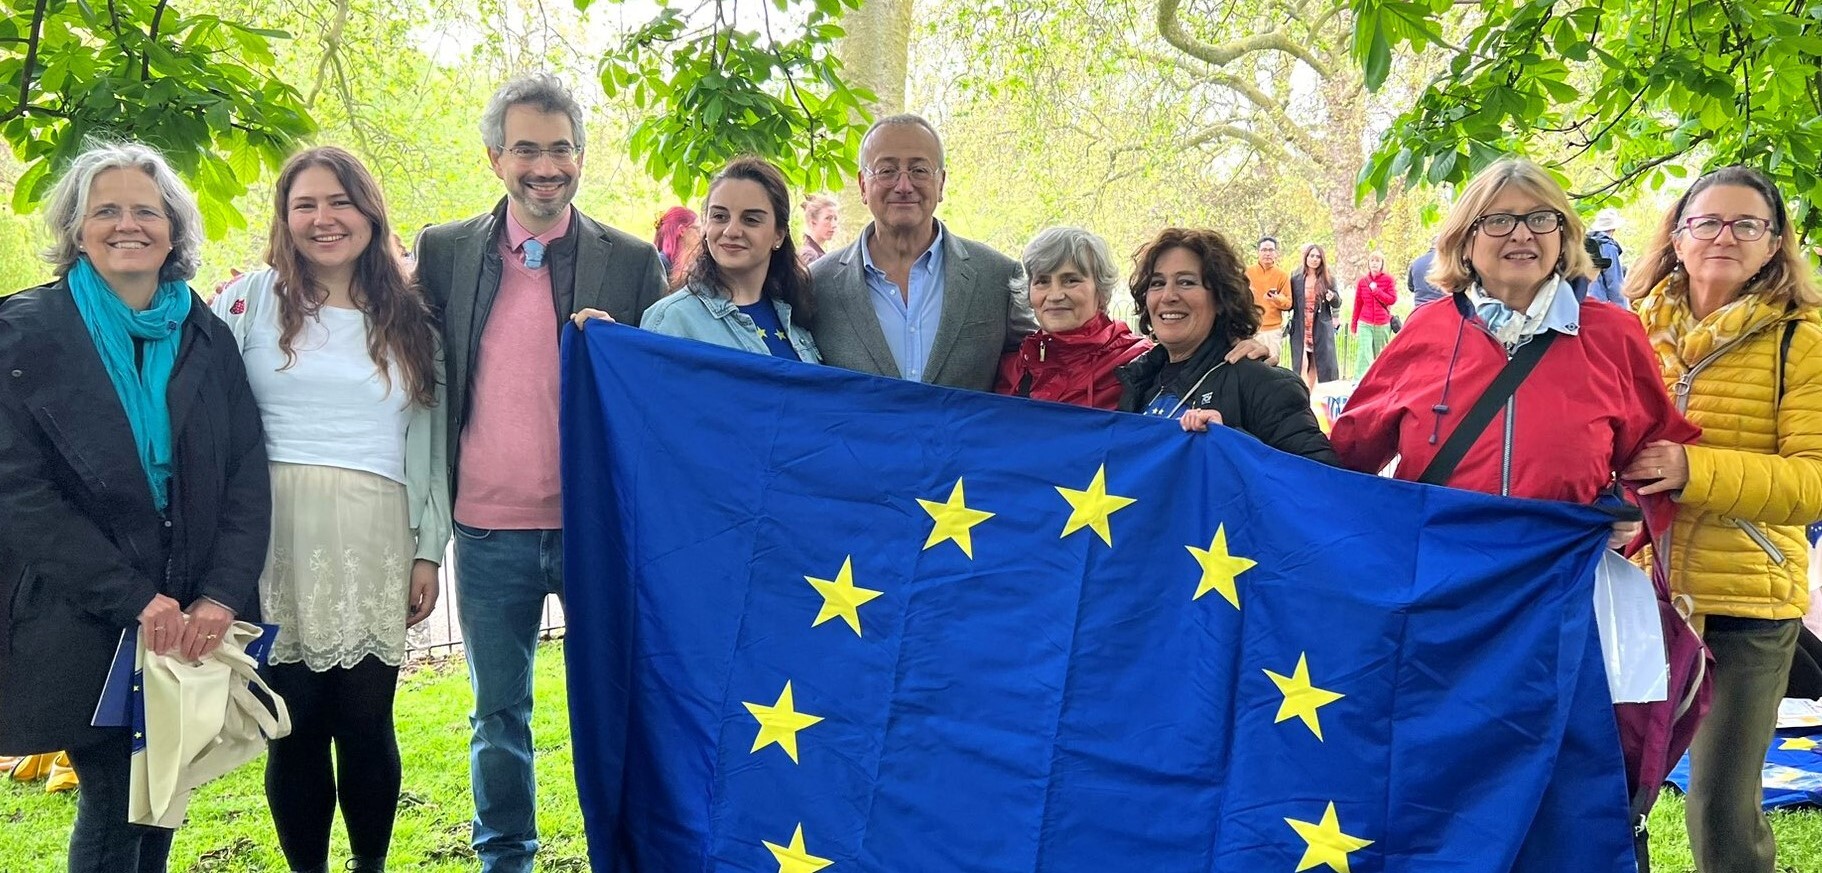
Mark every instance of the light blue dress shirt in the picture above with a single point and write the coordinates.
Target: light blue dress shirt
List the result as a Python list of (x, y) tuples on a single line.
[(909, 324)]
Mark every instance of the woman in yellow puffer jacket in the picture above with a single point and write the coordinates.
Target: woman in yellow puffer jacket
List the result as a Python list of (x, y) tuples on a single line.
[(1731, 307)]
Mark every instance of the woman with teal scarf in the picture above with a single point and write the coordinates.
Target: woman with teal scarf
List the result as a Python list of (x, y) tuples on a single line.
[(133, 479)]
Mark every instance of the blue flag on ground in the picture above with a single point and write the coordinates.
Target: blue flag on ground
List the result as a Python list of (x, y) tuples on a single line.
[(820, 620), (1792, 774)]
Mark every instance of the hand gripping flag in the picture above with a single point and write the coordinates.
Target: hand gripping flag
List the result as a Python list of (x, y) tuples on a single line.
[(820, 620)]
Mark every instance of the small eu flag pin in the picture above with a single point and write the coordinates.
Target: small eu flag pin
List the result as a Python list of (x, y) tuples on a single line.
[(534, 254)]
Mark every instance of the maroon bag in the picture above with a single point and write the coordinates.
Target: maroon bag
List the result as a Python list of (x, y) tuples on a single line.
[(1654, 736)]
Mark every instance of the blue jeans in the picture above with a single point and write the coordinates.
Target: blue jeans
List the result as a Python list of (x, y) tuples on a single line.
[(102, 841), (501, 580)]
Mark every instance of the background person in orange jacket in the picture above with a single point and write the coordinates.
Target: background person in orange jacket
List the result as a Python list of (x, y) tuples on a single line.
[(1730, 305), (1272, 293), (1069, 277)]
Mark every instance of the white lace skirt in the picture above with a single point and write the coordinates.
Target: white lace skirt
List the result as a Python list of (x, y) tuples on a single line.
[(339, 567)]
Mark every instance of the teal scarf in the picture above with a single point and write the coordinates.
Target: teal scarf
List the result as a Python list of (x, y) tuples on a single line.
[(113, 327)]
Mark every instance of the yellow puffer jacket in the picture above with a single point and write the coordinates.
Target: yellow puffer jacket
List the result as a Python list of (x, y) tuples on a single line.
[(1755, 479)]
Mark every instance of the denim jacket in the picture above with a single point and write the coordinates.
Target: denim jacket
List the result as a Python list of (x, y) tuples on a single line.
[(712, 318)]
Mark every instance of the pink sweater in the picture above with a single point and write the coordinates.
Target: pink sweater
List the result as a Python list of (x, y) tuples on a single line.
[(508, 476)]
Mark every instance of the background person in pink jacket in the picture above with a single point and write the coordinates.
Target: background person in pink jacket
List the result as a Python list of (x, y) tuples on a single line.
[(1374, 295)]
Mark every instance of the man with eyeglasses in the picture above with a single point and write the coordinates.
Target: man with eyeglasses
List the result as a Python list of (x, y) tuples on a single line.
[(502, 285), (1272, 292), (909, 299)]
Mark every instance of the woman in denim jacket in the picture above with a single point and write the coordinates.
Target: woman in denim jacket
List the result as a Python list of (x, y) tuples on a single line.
[(745, 289)]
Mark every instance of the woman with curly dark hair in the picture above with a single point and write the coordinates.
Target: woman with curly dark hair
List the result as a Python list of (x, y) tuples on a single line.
[(1193, 299)]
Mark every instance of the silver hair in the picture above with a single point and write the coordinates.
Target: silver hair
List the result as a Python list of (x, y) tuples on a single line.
[(817, 205), (69, 205), (542, 91), (1054, 247), (907, 119)]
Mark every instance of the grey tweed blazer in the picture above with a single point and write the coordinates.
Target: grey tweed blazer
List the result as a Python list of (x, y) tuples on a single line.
[(982, 318)]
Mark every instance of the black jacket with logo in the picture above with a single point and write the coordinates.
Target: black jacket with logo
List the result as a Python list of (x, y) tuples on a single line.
[(1267, 402)]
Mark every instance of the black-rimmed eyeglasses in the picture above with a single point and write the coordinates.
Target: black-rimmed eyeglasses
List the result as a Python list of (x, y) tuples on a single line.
[(1500, 224)]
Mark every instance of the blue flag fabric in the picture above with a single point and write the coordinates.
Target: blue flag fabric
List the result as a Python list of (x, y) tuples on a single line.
[(1793, 770), (823, 620)]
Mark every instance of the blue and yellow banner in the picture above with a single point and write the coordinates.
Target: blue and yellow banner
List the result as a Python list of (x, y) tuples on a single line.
[(820, 620)]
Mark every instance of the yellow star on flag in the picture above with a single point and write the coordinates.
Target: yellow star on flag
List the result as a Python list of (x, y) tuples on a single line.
[(1219, 568), (1301, 699), (1798, 744), (794, 858), (1325, 844), (954, 520), (1090, 508), (780, 722), (840, 597)]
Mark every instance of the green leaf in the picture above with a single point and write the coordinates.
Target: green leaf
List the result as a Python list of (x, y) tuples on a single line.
[(28, 190)]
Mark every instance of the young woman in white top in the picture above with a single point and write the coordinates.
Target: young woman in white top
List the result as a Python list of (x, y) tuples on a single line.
[(341, 353)]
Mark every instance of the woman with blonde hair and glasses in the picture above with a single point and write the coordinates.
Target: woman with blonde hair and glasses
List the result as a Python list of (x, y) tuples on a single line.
[(1590, 405), (1730, 305)]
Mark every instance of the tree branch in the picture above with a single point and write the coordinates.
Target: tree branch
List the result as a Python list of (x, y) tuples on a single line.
[(30, 68), (1216, 132), (1170, 26), (1266, 104), (1273, 108), (145, 63), (1642, 169), (332, 43)]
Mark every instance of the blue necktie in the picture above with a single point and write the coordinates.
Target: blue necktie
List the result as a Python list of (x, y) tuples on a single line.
[(534, 254)]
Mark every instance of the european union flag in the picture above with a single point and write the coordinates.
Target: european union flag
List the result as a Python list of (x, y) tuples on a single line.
[(820, 620)]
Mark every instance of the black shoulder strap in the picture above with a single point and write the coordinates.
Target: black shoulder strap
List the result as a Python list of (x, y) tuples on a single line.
[(1790, 330), (1475, 423)]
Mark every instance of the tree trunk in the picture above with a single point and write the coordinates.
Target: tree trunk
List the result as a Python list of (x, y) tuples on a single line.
[(1357, 226), (875, 54), (877, 50)]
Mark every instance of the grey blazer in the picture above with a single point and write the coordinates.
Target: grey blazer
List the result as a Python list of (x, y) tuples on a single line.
[(459, 266), (982, 319)]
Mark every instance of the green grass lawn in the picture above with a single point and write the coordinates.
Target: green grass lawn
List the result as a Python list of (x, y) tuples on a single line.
[(229, 829)]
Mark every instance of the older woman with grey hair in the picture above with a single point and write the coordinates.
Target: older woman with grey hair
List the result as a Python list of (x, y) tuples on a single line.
[(132, 478), (1069, 277)]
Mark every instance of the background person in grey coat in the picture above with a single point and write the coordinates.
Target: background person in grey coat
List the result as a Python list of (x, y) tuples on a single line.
[(908, 299)]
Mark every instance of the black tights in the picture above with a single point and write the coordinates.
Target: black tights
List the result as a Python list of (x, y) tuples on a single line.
[(351, 709)]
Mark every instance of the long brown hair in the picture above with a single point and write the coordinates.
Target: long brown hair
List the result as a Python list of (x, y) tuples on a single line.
[(1785, 280), (1322, 272), (400, 328), (1223, 274)]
